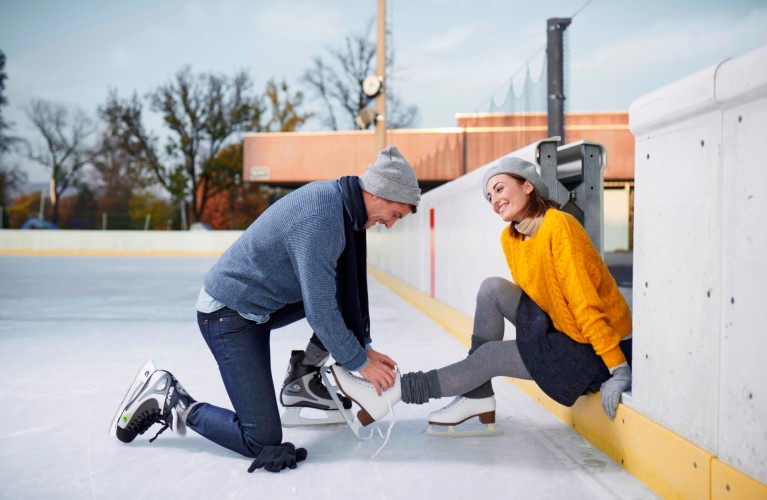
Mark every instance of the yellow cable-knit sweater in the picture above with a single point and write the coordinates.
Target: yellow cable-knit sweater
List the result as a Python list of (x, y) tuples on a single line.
[(563, 273)]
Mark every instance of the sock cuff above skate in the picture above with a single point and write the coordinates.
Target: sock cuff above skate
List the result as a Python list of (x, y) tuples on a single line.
[(419, 387), (315, 355)]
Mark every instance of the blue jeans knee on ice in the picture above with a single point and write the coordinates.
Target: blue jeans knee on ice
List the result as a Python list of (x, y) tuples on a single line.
[(241, 349)]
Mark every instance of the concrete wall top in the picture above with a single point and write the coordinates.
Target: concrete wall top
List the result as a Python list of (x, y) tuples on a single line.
[(707, 89), (742, 79)]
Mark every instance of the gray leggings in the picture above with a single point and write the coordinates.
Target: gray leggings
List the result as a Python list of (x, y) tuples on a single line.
[(491, 356)]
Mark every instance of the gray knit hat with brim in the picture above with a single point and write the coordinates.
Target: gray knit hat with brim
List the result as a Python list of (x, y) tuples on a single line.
[(516, 166), (392, 178)]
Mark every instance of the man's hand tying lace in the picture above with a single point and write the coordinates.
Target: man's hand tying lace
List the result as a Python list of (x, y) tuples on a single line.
[(276, 458)]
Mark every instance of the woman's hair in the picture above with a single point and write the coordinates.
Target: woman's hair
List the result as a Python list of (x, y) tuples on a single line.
[(536, 205)]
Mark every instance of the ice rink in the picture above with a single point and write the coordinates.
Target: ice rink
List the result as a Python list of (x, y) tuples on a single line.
[(75, 329)]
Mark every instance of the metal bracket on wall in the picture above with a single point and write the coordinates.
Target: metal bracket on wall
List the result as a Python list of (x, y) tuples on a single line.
[(574, 174)]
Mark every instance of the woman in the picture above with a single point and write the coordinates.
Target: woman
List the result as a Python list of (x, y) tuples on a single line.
[(573, 325)]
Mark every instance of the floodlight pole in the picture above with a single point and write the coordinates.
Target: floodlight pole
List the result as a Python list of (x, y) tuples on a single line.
[(555, 71), (380, 119)]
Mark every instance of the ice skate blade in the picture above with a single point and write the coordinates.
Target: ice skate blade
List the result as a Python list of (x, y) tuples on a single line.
[(139, 380), (451, 431), (345, 414), (292, 417)]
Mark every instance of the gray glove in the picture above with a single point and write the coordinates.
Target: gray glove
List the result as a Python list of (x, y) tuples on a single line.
[(276, 458), (611, 390)]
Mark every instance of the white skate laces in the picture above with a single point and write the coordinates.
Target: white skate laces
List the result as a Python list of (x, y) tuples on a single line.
[(392, 421), (335, 389)]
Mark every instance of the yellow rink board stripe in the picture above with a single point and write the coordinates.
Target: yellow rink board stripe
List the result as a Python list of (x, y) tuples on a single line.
[(669, 464)]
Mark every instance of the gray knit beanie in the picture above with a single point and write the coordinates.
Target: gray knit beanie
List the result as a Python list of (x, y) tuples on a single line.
[(520, 167), (391, 178)]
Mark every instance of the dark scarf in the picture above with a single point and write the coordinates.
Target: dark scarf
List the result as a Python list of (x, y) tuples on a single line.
[(351, 271)]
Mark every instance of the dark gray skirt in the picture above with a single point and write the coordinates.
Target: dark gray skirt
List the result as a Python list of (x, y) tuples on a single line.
[(563, 368)]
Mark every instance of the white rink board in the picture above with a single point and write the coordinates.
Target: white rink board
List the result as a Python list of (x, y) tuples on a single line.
[(700, 245)]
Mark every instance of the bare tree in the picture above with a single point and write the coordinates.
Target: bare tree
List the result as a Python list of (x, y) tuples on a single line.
[(115, 178), (202, 111), (65, 149), (338, 83), (204, 114), (282, 108), (11, 177), (5, 141), (279, 113)]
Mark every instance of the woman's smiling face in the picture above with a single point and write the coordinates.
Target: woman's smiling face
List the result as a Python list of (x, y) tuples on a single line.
[(508, 197)]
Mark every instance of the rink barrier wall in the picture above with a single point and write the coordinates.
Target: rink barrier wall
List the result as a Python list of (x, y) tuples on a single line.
[(108, 242), (669, 464), (699, 277)]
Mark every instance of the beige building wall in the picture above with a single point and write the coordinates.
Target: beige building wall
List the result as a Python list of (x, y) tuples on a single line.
[(441, 155), (437, 155)]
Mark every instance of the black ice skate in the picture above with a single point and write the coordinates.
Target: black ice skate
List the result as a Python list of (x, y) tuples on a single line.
[(304, 392), (155, 396)]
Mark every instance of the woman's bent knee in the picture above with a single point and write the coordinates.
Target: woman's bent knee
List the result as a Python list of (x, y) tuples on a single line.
[(491, 287)]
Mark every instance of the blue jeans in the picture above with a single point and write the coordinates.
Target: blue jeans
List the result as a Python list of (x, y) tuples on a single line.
[(241, 349)]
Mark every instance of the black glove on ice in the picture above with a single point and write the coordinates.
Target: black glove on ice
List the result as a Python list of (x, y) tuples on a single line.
[(276, 458), (611, 390)]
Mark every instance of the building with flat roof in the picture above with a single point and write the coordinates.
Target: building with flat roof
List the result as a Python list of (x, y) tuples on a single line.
[(291, 159)]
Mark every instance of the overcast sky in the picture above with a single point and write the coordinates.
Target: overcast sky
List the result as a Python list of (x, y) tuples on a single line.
[(452, 56)]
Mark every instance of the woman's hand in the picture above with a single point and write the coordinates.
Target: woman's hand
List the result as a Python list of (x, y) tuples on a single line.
[(613, 388)]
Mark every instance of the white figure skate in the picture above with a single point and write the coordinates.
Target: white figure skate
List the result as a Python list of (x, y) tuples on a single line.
[(346, 413), (306, 399), (372, 406), (461, 410)]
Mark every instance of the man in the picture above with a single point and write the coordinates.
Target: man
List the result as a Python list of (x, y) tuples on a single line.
[(303, 257)]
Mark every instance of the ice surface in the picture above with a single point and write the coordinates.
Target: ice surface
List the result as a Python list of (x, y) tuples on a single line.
[(74, 330)]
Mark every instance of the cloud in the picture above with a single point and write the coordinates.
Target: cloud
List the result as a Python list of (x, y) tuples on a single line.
[(615, 72), (120, 58), (318, 22), (666, 43), (448, 40)]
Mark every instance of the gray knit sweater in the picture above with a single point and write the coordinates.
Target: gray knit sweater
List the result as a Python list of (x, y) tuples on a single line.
[(287, 255)]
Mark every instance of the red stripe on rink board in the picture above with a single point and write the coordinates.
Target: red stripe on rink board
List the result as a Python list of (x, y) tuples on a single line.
[(431, 249)]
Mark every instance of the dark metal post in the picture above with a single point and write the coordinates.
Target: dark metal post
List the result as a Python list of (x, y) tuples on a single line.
[(555, 27), (547, 159)]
